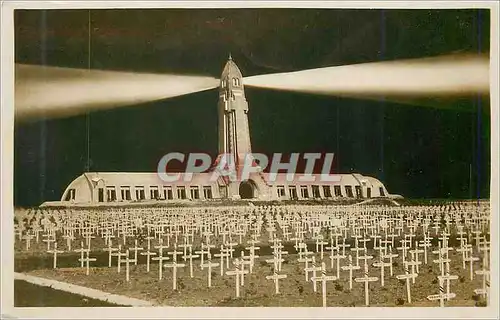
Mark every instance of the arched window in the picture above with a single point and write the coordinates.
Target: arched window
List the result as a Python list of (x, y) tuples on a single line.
[(236, 82)]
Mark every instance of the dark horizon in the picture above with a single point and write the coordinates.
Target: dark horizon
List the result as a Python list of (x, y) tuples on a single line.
[(416, 151)]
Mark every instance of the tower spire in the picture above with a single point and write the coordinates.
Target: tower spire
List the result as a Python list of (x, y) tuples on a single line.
[(230, 58)]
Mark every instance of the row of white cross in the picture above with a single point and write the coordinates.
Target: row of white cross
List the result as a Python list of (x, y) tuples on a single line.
[(381, 229)]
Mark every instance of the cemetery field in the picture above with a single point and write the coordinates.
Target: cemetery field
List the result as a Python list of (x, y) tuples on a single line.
[(260, 292), (271, 255)]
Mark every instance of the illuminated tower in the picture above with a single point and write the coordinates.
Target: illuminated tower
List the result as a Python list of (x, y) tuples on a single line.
[(234, 134)]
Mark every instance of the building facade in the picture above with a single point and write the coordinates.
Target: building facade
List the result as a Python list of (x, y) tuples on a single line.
[(234, 139)]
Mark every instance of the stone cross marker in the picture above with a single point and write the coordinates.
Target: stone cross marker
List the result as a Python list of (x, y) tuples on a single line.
[(160, 258), (471, 261), (366, 279), (411, 264), (209, 264), (135, 249), (276, 277), (313, 268), (381, 264), (110, 250), (306, 260), (81, 250), (441, 296), (28, 237), (174, 265), (49, 239), (119, 255), (407, 276), (323, 278), (350, 268), (336, 257), (87, 260), (221, 255), (237, 273), (483, 291), (55, 252), (127, 261), (275, 260), (390, 255), (202, 253), (448, 278), (190, 257), (148, 254)]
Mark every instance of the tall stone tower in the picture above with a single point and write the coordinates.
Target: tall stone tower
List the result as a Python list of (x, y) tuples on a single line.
[(234, 132)]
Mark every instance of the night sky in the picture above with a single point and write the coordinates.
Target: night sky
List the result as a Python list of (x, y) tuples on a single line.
[(417, 151)]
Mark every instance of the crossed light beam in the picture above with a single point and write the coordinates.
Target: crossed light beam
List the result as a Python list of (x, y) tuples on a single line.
[(51, 92), (436, 81)]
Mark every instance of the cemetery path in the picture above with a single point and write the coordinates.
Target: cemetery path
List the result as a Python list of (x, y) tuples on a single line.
[(30, 295), (35, 291)]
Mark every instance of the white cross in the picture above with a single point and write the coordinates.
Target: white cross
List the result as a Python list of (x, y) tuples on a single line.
[(366, 279), (55, 252), (320, 243), (230, 249), (415, 254), (313, 268), (403, 249), (50, 238), (252, 255), (357, 249), (174, 253), (381, 264), (221, 255), (69, 237), (306, 260), (28, 237), (174, 265), (87, 260), (135, 249), (110, 250), (441, 296), (276, 277), (275, 260), (190, 257), (471, 260), (448, 279), (160, 260), (243, 262), (81, 250), (484, 290), (464, 249), (127, 261), (441, 259), (210, 265), (323, 278), (148, 253), (336, 257), (202, 253), (350, 268), (237, 273), (119, 255), (413, 264), (407, 276)]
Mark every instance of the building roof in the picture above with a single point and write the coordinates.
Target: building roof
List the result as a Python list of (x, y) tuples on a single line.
[(231, 70)]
